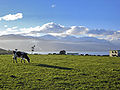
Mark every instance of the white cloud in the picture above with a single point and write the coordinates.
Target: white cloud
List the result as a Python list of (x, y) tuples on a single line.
[(11, 17), (101, 32), (104, 34), (115, 36), (53, 6), (49, 28), (12, 30), (5, 26), (60, 30), (77, 30)]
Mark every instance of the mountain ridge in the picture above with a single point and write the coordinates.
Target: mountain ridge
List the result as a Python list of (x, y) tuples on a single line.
[(44, 43)]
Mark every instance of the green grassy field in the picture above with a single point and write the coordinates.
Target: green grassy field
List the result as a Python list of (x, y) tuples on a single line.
[(60, 72)]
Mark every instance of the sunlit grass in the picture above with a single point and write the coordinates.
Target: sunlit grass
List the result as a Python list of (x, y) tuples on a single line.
[(53, 72)]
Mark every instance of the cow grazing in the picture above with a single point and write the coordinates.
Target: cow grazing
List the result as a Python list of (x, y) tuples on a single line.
[(21, 55)]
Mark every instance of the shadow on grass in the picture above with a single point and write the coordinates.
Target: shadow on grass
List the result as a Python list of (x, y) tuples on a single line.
[(51, 66)]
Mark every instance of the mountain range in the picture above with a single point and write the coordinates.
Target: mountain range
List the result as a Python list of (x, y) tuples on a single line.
[(56, 43)]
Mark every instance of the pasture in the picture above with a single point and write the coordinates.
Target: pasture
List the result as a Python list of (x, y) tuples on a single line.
[(60, 72)]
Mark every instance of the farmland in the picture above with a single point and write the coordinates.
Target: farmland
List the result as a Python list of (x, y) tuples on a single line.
[(60, 72)]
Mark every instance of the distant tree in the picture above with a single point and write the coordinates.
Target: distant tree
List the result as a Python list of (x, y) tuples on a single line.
[(82, 54), (49, 53), (86, 54), (63, 52), (54, 53)]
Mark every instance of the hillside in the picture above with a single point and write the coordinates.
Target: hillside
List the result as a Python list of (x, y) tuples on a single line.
[(3, 51)]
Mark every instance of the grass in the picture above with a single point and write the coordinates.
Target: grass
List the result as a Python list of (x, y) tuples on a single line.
[(60, 72)]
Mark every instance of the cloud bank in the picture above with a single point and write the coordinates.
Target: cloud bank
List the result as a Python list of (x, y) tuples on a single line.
[(60, 30), (11, 17), (77, 30)]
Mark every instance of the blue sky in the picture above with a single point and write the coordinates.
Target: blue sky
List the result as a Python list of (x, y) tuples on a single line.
[(90, 13), (91, 18)]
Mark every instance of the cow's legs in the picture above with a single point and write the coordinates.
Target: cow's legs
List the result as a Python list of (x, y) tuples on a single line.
[(24, 60), (14, 58), (21, 60)]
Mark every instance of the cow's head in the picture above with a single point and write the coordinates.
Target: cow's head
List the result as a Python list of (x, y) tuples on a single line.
[(14, 52)]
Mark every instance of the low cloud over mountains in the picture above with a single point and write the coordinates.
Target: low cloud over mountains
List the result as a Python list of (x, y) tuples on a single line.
[(54, 37), (60, 30), (56, 43)]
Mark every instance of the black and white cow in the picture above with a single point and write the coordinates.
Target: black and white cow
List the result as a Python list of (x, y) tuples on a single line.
[(21, 55)]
